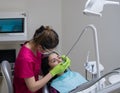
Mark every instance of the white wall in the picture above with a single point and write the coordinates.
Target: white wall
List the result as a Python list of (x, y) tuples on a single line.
[(39, 12), (73, 22)]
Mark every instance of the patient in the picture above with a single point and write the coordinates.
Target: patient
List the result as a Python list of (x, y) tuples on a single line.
[(64, 82)]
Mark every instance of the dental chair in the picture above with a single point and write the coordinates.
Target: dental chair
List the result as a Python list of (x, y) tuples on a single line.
[(7, 75), (45, 89), (87, 85), (85, 88)]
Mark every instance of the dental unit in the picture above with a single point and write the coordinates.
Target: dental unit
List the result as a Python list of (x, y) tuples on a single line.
[(98, 84), (94, 8)]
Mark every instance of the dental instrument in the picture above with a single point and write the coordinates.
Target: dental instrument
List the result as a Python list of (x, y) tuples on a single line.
[(90, 66)]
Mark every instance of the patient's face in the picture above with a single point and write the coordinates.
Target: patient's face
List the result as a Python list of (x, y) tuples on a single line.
[(54, 60)]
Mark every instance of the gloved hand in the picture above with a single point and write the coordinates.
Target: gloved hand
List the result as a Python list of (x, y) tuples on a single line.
[(66, 59), (61, 67)]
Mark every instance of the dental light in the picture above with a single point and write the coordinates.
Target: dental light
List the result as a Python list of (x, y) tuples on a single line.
[(95, 7)]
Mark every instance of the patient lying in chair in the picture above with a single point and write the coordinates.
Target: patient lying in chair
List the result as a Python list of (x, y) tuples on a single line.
[(64, 82)]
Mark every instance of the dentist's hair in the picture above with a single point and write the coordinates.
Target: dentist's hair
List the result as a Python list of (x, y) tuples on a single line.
[(46, 37)]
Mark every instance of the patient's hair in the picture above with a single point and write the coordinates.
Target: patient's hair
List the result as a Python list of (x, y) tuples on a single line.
[(45, 66)]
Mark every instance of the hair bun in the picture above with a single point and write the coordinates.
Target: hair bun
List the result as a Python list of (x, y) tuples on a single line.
[(42, 28)]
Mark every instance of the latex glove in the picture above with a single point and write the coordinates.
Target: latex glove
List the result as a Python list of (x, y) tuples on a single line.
[(61, 67), (66, 59)]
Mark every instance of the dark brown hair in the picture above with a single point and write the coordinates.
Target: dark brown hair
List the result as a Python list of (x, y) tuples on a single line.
[(45, 63), (46, 37), (46, 68)]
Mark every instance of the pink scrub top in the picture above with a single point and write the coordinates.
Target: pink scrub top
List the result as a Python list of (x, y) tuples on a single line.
[(27, 65)]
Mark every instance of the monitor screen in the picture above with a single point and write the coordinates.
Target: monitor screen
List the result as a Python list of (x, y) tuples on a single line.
[(11, 25), (8, 54)]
